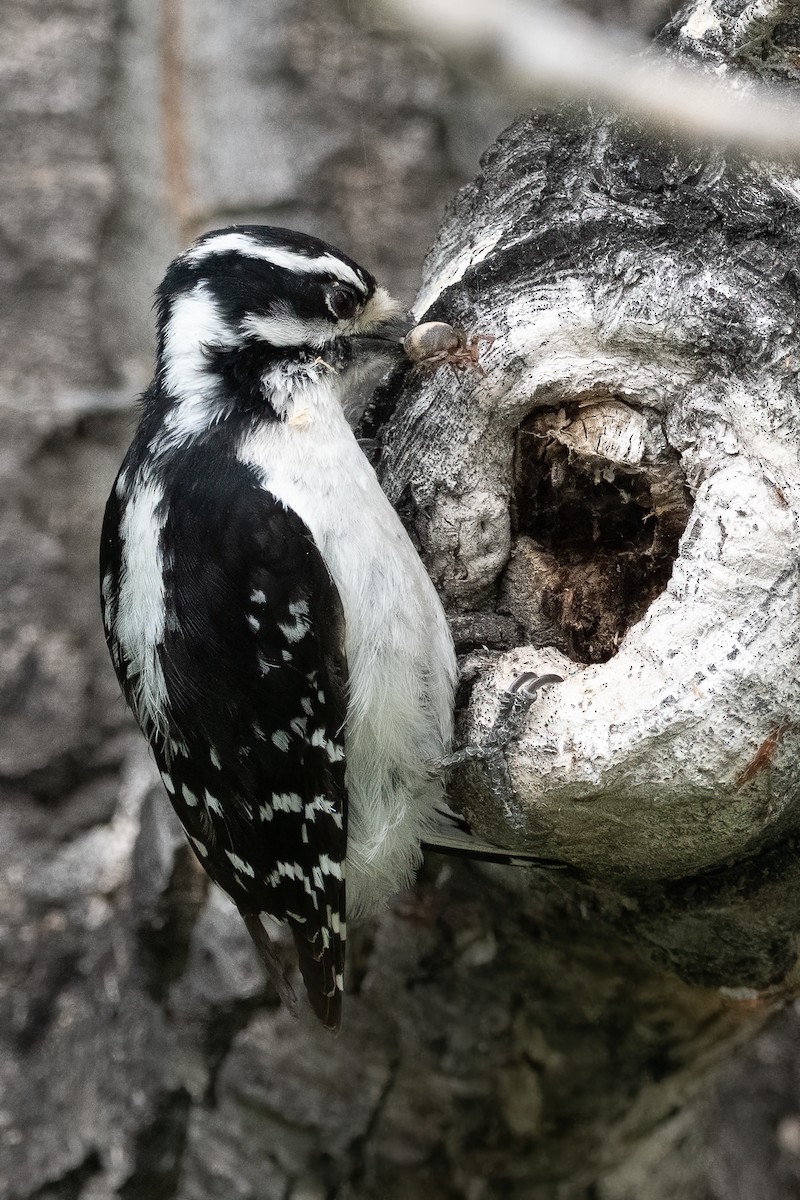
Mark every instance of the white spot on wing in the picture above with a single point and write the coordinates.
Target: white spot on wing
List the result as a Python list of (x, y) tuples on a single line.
[(213, 804), (322, 804), (297, 630), (240, 864), (280, 739), (287, 802), (334, 752), (330, 867)]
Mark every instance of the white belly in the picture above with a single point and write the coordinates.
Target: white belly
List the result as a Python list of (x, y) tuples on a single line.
[(399, 650)]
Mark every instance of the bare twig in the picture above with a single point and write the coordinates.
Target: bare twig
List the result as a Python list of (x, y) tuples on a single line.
[(545, 53)]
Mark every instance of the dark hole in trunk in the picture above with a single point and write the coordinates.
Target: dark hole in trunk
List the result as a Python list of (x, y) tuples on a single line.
[(595, 537)]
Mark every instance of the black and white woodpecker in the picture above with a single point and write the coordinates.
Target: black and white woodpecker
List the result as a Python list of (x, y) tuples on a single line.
[(271, 624)]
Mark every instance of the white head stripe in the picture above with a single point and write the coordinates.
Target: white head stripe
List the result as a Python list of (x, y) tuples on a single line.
[(194, 321), (282, 328), (279, 256)]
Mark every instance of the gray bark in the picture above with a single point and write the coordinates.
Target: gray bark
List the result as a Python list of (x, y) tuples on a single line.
[(542, 1034)]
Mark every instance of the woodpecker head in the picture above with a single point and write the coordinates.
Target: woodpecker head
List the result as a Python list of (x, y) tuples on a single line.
[(248, 303)]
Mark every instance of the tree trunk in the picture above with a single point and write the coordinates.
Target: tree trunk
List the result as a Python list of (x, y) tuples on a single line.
[(615, 499)]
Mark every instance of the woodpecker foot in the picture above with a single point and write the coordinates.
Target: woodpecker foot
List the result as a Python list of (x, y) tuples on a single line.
[(515, 703)]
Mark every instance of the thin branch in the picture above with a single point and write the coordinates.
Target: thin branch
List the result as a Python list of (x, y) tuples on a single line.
[(544, 53)]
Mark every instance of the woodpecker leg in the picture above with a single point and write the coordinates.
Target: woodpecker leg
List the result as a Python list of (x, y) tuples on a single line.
[(515, 702), (514, 706)]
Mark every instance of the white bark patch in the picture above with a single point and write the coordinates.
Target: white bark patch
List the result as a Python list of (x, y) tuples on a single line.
[(456, 268), (679, 751), (701, 21)]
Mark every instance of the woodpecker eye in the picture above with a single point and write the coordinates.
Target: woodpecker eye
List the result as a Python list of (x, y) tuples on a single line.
[(342, 301)]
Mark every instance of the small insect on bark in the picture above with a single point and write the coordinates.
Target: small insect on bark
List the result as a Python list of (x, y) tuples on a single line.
[(436, 344)]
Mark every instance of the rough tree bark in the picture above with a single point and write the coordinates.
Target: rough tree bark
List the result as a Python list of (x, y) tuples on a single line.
[(617, 497)]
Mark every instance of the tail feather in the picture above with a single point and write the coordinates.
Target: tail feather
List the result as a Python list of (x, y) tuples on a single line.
[(269, 958), (451, 833), (321, 961), (322, 968)]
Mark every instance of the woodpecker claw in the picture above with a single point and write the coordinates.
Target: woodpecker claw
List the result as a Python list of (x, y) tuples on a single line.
[(514, 704), (518, 698)]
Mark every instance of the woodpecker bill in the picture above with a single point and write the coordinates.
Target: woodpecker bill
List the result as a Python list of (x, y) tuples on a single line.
[(271, 624)]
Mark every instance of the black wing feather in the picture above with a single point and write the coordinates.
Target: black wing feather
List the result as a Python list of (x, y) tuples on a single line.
[(252, 750)]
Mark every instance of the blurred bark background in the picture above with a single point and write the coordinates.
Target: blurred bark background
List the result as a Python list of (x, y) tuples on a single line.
[(141, 1053)]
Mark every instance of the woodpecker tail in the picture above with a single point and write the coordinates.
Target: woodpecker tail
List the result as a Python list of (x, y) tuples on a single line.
[(321, 961), (451, 833)]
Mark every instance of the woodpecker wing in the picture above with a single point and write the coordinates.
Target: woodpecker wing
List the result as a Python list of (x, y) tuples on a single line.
[(250, 743)]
